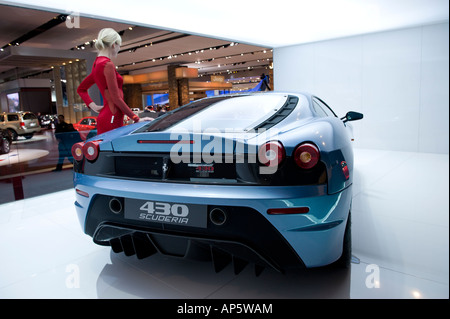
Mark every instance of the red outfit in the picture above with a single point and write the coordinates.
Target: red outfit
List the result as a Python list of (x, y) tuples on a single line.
[(110, 83)]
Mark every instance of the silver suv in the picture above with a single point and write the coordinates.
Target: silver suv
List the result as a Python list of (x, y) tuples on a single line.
[(20, 124)]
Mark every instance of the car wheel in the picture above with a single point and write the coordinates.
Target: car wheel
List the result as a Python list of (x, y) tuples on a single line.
[(28, 136), (5, 147), (345, 260), (14, 134)]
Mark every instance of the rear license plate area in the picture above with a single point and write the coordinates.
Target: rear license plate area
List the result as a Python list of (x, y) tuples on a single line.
[(192, 215)]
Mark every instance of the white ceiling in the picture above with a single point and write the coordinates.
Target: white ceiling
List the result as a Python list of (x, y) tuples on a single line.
[(264, 22), (258, 26)]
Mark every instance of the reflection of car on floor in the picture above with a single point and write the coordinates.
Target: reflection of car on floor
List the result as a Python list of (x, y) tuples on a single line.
[(20, 124), (260, 178), (85, 125), (5, 141)]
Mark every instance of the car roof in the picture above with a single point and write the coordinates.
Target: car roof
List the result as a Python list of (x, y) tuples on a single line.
[(16, 112)]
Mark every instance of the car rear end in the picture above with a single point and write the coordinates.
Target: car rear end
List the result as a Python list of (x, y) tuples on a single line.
[(142, 191), (28, 125)]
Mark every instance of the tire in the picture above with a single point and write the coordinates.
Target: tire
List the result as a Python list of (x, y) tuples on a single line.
[(14, 134), (28, 136), (6, 146), (345, 260)]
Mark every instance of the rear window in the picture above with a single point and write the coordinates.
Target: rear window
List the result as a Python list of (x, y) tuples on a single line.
[(29, 116), (237, 113)]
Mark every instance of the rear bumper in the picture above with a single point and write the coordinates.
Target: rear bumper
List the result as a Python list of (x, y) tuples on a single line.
[(28, 130), (282, 241)]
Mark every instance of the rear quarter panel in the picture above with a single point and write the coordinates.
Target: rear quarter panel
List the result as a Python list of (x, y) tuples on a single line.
[(332, 138)]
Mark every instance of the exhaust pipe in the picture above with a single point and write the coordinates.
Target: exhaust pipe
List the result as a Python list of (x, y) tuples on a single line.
[(218, 216), (115, 205)]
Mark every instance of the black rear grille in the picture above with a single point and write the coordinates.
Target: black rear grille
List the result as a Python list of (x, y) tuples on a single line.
[(160, 167), (148, 167), (220, 253)]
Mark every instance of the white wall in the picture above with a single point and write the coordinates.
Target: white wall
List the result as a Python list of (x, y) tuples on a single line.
[(398, 79)]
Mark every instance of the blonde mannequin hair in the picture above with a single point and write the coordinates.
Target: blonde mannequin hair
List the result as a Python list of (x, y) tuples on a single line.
[(106, 38)]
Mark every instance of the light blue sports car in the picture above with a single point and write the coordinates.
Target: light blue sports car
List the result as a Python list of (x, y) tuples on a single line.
[(261, 178)]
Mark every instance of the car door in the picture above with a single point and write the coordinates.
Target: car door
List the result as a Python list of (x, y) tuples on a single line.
[(92, 123), (84, 125)]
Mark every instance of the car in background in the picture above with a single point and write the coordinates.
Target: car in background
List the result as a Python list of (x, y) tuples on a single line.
[(86, 125), (5, 141), (127, 120), (263, 179), (20, 124), (48, 121)]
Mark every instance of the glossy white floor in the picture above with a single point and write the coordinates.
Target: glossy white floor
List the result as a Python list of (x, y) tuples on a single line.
[(400, 235)]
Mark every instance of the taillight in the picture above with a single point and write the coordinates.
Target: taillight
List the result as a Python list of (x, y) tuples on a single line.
[(22, 124), (82, 193), (306, 155), (91, 150), (77, 151), (271, 153), (345, 170)]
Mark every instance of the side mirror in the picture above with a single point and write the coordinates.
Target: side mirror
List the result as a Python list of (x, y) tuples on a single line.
[(352, 116)]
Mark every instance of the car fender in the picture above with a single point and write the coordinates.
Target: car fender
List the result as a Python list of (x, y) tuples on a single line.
[(334, 143)]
